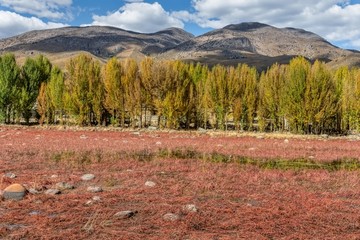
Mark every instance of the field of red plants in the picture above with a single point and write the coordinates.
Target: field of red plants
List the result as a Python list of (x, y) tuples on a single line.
[(232, 200)]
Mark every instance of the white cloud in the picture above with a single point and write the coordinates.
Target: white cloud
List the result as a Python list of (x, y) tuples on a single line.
[(335, 20), (12, 24), (53, 9), (139, 17)]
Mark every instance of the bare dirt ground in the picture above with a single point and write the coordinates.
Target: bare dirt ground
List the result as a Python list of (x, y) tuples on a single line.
[(233, 201)]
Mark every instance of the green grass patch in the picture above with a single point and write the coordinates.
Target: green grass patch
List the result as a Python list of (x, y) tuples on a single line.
[(80, 159)]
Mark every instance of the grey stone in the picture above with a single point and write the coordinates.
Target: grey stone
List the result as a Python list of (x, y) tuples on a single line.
[(152, 128), (83, 137), (10, 175), (35, 212), (34, 191), (87, 177), (171, 217), (96, 198), (190, 208), (150, 184), (125, 214), (202, 130), (94, 189), (52, 191), (64, 186)]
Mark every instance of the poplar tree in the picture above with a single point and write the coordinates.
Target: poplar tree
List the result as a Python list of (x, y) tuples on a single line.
[(33, 73), (55, 94), (84, 90), (271, 98), (132, 90), (321, 100), (294, 93), (9, 85)]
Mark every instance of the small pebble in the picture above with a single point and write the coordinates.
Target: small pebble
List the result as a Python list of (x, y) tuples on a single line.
[(125, 214), (87, 177), (10, 175), (150, 184), (190, 208), (94, 189), (171, 217), (52, 191)]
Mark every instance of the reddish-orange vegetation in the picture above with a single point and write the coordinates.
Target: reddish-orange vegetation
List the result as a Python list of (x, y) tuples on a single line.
[(234, 201)]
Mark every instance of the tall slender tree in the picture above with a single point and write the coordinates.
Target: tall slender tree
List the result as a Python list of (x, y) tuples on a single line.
[(9, 85)]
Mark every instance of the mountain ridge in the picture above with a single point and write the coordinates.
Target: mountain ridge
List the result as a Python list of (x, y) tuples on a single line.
[(255, 43)]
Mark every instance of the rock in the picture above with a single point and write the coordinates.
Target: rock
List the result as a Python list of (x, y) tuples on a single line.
[(93, 200), (83, 137), (34, 191), (34, 213), (202, 130), (14, 192), (54, 176), (10, 175), (190, 208), (171, 217), (96, 198), (64, 186), (286, 141), (94, 189), (87, 177), (125, 214), (150, 184), (152, 128), (158, 143), (52, 191)]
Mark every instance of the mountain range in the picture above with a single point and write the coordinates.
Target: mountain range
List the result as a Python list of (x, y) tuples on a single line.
[(256, 44)]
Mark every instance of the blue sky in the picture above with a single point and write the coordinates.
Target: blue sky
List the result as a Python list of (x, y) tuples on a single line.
[(335, 20)]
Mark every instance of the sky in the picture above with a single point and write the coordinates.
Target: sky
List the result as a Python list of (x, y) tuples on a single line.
[(335, 20)]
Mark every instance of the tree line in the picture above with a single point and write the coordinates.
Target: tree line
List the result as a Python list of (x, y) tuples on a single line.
[(300, 97)]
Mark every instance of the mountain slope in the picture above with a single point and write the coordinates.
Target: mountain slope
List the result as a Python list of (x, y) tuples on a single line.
[(257, 43), (100, 41), (253, 43)]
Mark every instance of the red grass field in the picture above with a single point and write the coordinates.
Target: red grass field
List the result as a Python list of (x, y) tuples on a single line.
[(234, 201)]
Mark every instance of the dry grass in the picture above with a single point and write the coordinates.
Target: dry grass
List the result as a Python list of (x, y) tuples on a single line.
[(235, 201)]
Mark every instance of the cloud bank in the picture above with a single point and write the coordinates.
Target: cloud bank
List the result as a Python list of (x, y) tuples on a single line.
[(52, 9), (13, 24), (139, 17)]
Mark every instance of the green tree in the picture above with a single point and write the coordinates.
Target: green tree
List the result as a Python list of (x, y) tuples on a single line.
[(33, 73), (9, 85), (55, 95)]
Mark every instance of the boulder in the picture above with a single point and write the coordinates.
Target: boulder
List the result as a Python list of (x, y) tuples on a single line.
[(14, 192)]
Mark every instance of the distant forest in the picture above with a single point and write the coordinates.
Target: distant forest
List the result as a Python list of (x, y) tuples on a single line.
[(300, 97)]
